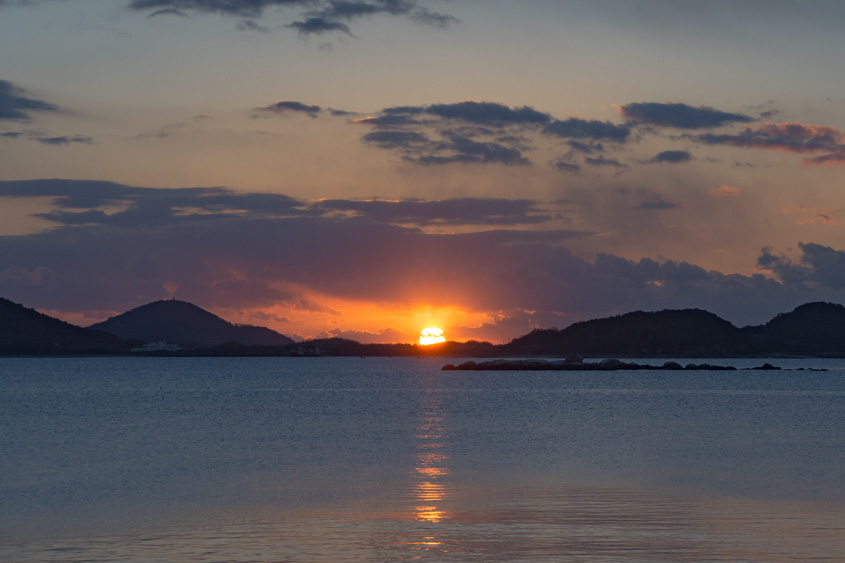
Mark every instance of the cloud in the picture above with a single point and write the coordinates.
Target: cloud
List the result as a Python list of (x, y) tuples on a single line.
[(818, 267), (680, 116), (587, 129), (586, 148), (65, 140), (252, 25), (468, 150), (807, 215), (328, 17), (603, 161), (158, 204), (320, 16), (389, 120), (724, 191), (402, 140), (319, 26), (244, 9), (490, 113), (16, 106), (290, 106), (672, 157), (467, 132), (450, 149), (367, 337), (219, 248), (795, 138), (565, 166), (461, 211), (832, 159), (658, 203), (434, 19), (786, 137)]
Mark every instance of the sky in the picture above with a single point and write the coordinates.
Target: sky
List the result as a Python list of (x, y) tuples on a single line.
[(369, 168)]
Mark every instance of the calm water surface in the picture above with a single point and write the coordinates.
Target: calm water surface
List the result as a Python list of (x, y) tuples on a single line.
[(376, 460)]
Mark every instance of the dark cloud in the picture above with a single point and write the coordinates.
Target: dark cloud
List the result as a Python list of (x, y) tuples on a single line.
[(832, 159), (407, 110), (389, 120), (680, 116), (587, 129), (672, 157), (462, 211), (818, 266), (434, 18), (215, 247), (470, 132), (468, 150), (252, 25), (787, 137), (657, 203), (291, 106), (491, 113), (319, 26), (168, 12), (396, 139), (320, 16), (88, 194), (603, 161), (350, 10), (565, 166), (239, 8), (453, 148), (15, 105), (64, 140), (11, 134), (586, 148), (90, 217)]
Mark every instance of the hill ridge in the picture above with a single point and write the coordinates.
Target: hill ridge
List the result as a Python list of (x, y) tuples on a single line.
[(186, 324)]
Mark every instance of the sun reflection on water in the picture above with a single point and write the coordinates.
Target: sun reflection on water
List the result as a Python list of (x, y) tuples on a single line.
[(430, 469)]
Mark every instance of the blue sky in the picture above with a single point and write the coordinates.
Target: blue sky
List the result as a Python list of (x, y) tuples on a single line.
[(489, 167)]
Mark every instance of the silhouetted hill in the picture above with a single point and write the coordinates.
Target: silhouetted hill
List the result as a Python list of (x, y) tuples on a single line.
[(678, 333), (185, 324), (811, 329), (25, 331)]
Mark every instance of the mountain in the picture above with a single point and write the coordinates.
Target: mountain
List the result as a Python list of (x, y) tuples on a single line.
[(813, 329), (25, 331), (668, 333), (185, 324)]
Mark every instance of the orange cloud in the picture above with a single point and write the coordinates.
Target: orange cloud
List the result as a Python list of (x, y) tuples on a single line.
[(724, 191), (364, 321)]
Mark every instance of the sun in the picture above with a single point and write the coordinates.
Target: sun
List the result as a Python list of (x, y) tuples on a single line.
[(431, 335)]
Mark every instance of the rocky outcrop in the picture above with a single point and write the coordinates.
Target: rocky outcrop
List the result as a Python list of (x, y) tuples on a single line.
[(604, 365)]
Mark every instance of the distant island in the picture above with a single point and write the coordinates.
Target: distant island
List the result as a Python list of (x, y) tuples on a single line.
[(178, 328)]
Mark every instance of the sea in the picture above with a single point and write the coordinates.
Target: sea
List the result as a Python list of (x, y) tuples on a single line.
[(144, 459)]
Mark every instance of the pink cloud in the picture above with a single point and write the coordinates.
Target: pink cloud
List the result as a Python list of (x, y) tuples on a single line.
[(724, 191)]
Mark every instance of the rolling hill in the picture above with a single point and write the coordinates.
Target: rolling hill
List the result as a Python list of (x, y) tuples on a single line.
[(25, 331), (185, 324)]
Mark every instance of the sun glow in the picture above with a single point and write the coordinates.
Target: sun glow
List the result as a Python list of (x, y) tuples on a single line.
[(431, 335)]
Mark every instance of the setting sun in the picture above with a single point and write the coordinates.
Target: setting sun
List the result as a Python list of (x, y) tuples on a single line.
[(431, 335)]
